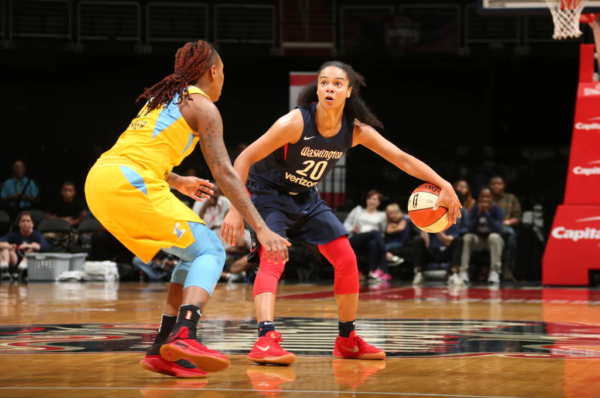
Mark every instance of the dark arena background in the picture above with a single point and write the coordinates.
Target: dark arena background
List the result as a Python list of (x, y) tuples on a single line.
[(479, 90)]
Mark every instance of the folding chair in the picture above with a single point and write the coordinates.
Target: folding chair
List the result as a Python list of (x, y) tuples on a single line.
[(87, 226), (57, 232)]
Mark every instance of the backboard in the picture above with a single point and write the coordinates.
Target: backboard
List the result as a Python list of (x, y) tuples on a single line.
[(525, 6)]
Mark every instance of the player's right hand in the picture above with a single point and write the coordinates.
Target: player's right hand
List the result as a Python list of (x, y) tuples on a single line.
[(232, 225), (275, 245)]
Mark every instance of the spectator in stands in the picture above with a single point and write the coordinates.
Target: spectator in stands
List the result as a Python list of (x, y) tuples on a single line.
[(20, 192), (15, 245), (69, 208), (396, 233), (464, 189), (485, 230), (366, 227), (213, 210), (508, 202), (236, 271), (159, 268), (442, 247), (512, 216)]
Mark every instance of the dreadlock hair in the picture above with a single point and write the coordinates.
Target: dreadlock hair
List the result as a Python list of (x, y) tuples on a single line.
[(355, 108), (191, 61)]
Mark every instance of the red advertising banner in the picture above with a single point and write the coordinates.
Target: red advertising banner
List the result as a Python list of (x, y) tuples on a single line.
[(573, 246), (583, 179)]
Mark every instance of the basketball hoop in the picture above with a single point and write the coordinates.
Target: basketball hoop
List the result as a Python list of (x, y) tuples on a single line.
[(566, 14)]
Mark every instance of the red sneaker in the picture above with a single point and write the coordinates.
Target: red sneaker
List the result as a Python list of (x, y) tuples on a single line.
[(267, 380), (355, 373), (354, 347), (181, 368), (182, 344), (267, 350)]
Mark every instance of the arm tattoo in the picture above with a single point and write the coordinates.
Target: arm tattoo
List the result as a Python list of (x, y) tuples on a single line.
[(217, 158)]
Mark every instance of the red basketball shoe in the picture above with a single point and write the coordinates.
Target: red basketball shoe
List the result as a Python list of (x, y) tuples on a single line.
[(181, 368), (355, 373), (182, 344), (267, 380), (354, 347), (267, 350)]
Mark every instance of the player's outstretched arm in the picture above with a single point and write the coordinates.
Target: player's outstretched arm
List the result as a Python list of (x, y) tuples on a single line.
[(286, 130), (367, 136), (596, 28), (210, 128)]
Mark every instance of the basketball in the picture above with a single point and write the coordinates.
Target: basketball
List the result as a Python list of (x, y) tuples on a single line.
[(420, 209)]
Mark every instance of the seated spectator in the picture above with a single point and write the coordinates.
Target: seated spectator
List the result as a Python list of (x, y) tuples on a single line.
[(69, 208), (462, 187), (512, 215), (18, 193), (396, 233), (236, 271), (442, 247), (485, 233), (366, 227), (15, 245), (159, 268), (213, 211), (508, 202)]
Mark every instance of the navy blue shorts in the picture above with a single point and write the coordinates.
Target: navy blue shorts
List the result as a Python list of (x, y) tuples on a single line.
[(304, 218)]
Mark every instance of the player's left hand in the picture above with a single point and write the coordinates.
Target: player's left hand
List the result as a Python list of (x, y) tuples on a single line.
[(194, 187), (449, 199)]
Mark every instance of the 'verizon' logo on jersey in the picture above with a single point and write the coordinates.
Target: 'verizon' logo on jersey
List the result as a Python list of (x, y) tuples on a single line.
[(578, 234), (588, 171), (321, 153), (591, 124)]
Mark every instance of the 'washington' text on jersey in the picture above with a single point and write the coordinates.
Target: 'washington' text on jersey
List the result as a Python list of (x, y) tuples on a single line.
[(301, 166)]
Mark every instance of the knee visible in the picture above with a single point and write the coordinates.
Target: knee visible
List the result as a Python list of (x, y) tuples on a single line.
[(469, 238), (495, 238), (346, 262)]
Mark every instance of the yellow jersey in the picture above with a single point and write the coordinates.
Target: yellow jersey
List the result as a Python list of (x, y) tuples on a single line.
[(157, 140)]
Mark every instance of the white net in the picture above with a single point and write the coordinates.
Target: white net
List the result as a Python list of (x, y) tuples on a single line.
[(566, 14)]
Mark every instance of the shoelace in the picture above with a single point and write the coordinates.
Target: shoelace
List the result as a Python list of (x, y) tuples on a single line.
[(277, 339), (358, 340)]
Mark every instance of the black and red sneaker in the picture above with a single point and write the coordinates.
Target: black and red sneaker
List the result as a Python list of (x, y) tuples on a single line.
[(182, 368), (182, 344)]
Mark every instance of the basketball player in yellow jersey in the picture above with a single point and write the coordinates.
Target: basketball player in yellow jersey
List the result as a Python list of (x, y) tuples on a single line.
[(128, 191)]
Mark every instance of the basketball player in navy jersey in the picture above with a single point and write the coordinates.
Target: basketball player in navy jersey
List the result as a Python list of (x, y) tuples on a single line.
[(282, 169)]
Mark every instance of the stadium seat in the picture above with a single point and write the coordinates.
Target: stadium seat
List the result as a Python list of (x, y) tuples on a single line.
[(57, 232)]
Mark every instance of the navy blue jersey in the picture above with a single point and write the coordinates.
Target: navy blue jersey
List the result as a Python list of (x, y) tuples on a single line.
[(301, 166)]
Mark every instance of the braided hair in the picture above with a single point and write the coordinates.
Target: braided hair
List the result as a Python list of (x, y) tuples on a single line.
[(355, 108), (191, 61)]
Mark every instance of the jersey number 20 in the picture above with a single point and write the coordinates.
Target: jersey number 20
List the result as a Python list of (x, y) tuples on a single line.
[(317, 172)]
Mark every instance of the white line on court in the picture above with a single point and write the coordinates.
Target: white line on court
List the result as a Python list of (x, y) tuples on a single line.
[(262, 391)]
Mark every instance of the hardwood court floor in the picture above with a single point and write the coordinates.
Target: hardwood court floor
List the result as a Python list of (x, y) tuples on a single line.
[(85, 340)]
